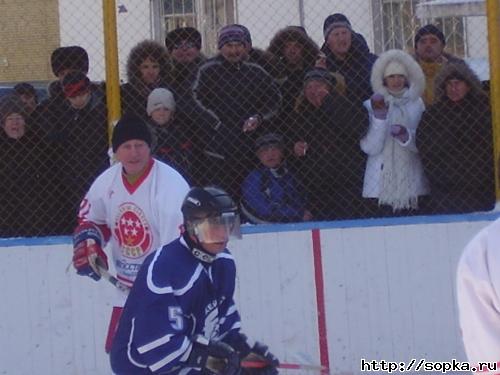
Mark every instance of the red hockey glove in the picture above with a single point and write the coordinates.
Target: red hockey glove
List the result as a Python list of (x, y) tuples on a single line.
[(88, 251)]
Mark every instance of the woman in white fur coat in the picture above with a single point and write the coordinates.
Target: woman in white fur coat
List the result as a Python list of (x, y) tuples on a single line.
[(394, 175)]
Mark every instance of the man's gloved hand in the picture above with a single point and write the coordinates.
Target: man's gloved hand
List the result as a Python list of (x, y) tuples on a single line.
[(379, 107), (261, 353), (87, 251), (214, 357)]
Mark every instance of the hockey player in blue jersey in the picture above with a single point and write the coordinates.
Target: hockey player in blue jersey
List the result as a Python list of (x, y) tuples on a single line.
[(180, 317)]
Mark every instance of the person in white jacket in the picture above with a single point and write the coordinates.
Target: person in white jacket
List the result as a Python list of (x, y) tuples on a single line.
[(394, 175), (478, 296)]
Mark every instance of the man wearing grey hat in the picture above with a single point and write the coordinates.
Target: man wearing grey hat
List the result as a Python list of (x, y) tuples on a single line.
[(243, 97)]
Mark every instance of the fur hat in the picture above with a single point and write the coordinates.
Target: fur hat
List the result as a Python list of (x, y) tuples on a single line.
[(74, 84), (231, 33), (395, 67), (72, 57), (160, 98), (268, 139), (333, 21), (129, 127), (414, 74), (10, 104), (177, 36), (429, 29)]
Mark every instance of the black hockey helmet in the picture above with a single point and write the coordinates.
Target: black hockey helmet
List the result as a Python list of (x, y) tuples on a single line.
[(206, 207)]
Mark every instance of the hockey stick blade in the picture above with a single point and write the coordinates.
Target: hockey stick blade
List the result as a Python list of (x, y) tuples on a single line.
[(113, 280), (287, 366)]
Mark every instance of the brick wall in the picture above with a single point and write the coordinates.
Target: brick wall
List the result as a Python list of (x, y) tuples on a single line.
[(29, 31)]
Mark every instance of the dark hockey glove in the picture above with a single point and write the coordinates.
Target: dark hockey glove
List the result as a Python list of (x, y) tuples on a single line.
[(87, 251), (261, 354), (213, 357)]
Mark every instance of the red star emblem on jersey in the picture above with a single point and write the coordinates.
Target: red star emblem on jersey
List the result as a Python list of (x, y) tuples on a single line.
[(132, 231)]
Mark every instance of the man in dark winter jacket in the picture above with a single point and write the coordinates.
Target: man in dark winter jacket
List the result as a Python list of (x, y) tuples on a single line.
[(429, 53), (347, 53), (243, 97), (326, 148)]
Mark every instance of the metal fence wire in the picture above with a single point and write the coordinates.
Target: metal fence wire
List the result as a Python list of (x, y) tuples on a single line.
[(301, 109)]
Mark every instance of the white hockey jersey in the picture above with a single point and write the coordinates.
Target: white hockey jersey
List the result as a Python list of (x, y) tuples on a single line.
[(139, 218), (478, 293)]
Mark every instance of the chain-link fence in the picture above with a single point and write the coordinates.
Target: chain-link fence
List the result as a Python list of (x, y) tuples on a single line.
[(277, 107)]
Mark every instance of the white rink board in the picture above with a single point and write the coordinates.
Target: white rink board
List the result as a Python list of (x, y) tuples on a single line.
[(389, 294)]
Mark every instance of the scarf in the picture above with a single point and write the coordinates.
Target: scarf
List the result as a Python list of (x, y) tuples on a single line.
[(396, 174)]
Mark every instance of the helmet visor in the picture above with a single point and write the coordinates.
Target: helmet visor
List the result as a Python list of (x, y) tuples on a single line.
[(217, 229)]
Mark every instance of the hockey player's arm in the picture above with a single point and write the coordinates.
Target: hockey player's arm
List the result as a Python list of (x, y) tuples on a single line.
[(89, 238)]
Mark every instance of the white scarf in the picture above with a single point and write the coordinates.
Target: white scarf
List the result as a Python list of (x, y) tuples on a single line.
[(396, 174)]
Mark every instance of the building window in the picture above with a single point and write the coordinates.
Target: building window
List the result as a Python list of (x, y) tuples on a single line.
[(208, 16), (396, 22)]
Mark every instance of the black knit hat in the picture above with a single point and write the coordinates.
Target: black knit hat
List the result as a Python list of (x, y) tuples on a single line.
[(319, 74), (189, 34), (231, 33), (269, 139), (72, 57), (130, 126), (429, 29), (333, 21)]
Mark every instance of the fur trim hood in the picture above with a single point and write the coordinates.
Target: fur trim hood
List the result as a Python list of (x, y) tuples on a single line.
[(141, 51), (416, 78), (457, 70), (292, 33)]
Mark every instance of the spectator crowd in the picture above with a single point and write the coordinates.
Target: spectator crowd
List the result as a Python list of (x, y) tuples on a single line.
[(295, 132)]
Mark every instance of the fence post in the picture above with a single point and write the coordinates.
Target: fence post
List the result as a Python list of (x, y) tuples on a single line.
[(111, 58), (493, 17)]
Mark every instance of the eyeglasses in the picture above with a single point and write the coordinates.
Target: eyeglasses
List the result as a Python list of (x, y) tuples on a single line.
[(184, 45)]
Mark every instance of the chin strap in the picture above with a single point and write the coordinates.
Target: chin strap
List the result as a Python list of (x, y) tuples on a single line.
[(197, 251)]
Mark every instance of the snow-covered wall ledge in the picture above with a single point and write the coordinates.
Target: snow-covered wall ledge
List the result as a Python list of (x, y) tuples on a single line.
[(317, 293)]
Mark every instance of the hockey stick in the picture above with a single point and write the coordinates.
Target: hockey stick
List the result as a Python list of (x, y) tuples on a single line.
[(287, 366), (113, 280)]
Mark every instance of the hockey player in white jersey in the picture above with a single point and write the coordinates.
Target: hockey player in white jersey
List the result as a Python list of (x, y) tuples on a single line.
[(180, 317), (478, 294), (135, 205)]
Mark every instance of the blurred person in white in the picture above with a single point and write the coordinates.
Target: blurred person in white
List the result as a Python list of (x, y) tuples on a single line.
[(455, 141), (147, 67), (20, 171), (135, 205), (394, 174), (478, 297)]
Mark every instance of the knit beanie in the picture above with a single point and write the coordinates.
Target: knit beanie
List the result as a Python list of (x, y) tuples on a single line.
[(395, 68), (75, 83), (429, 29), (72, 57), (231, 33), (319, 74), (10, 104), (181, 34), (333, 21), (246, 32), (129, 127), (268, 139), (160, 98)]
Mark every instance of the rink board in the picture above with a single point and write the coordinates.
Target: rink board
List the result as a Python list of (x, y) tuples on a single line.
[(386, 288)]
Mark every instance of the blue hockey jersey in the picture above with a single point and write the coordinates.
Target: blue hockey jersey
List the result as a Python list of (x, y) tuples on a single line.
[(175, 297)]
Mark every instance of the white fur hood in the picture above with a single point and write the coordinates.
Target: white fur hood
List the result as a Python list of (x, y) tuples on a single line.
[(416, 78)]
